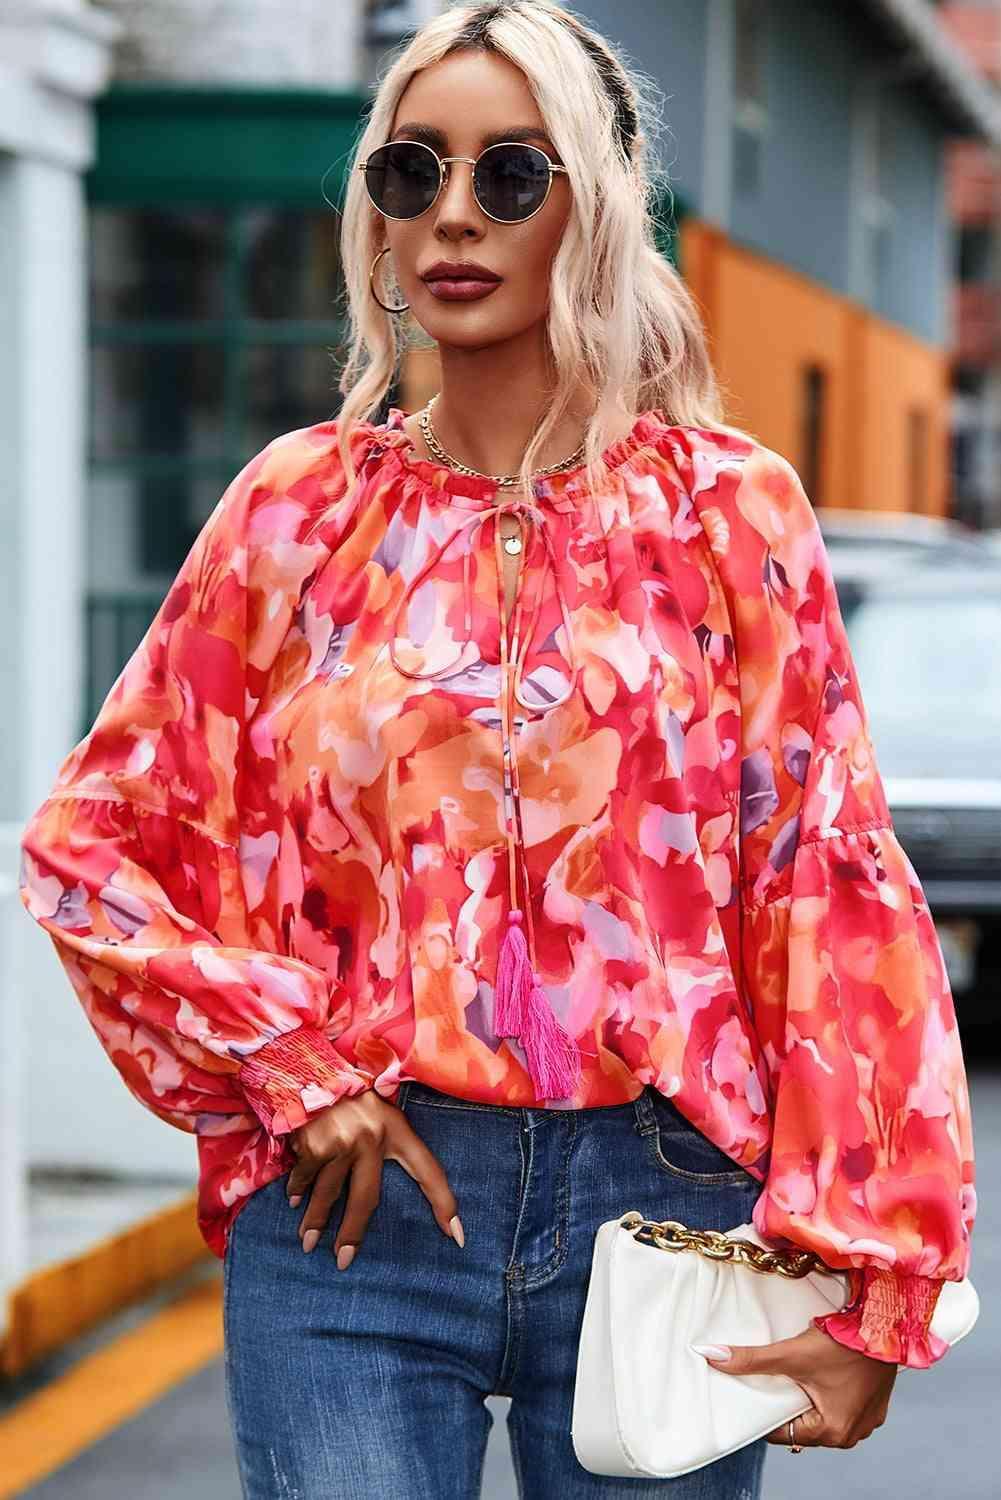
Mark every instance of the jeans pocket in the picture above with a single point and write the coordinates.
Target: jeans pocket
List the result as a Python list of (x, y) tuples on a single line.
[(678, 1148)]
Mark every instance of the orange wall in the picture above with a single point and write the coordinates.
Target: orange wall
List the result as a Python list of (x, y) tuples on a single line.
[(766, 322), (899, 371)]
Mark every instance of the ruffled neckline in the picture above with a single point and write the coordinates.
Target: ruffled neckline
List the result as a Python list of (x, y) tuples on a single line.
[(439, 481)]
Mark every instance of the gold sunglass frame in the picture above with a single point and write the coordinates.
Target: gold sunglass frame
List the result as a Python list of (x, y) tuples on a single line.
[(445, 161)]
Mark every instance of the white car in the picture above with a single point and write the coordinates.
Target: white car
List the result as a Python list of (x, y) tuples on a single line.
[(927, 647)]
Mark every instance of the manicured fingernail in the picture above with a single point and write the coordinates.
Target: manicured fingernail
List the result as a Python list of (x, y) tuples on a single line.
[(309, 1239), (295, 1201), (345, 1256), (712, 1351), (455, 1229)]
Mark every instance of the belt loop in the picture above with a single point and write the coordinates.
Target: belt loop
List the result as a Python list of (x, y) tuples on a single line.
[(646, 1120), (401, 1094)]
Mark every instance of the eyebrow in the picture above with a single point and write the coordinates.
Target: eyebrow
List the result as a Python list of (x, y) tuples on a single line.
[(430, 135)]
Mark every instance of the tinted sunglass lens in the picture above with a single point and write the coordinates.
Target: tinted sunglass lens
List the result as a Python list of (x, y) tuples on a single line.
[(511, 181), (402, 178)]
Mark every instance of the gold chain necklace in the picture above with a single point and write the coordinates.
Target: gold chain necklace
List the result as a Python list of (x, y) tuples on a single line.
[(502, 479)]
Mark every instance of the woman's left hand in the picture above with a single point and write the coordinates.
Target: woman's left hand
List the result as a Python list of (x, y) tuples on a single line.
[(850, 1391)]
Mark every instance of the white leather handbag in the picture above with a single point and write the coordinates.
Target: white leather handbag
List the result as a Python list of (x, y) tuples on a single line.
[(644, 1402)]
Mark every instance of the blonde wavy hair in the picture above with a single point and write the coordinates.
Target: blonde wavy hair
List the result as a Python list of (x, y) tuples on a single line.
[(619, 314)]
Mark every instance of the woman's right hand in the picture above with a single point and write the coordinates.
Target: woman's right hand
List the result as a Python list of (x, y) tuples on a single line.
[(357, 1135)]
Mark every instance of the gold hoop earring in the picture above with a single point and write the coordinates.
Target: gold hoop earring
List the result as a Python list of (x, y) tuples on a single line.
[(371, 282)]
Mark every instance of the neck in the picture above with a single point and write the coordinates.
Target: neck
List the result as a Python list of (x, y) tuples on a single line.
[(491, 400)]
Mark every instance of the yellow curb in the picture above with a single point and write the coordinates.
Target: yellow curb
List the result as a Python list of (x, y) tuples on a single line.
[(107, 1388), (60, 1302)]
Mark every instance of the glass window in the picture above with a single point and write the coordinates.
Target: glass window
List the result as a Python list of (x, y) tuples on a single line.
[(941, 653), (750, 96), (976, 249), (151, 263), (750, 33), (814, 412), (148, 399), (283, 386), (291, 264), (213, 331)]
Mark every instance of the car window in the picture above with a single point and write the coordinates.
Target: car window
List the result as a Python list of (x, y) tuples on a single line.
[(930, 674)]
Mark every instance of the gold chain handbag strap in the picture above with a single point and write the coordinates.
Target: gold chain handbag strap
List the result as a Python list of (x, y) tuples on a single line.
[(668, 1234)]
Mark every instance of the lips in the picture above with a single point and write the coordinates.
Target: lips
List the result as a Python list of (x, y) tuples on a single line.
[(445, 289), (460, 271)]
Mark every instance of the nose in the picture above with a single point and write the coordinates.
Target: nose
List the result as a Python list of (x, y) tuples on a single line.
[(457, 202)]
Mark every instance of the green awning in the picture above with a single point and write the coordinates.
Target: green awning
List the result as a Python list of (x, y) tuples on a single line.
[(164, 145)]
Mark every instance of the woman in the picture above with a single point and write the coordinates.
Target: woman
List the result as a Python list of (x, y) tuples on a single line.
[(429, 877)]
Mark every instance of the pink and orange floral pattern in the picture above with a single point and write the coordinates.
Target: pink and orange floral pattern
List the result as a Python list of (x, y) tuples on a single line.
[(278, 868)]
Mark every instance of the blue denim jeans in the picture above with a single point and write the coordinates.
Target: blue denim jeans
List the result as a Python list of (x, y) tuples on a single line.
[(369, 1383)]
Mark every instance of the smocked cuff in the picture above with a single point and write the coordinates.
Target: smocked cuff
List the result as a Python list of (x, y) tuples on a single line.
[(296, 1074), (888, 1317)]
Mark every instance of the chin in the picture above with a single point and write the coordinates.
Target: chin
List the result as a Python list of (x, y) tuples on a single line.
[(473, 338)]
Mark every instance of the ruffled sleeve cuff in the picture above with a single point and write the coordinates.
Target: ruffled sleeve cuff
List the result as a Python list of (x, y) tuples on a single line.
[(296, 1074), (888, 1317)]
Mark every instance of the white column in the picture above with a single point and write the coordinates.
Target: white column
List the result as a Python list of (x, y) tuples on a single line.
[(43, 370), (13, 1186), (54, 58)]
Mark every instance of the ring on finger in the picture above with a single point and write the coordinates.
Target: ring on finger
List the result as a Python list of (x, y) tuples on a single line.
[(794, 1447)]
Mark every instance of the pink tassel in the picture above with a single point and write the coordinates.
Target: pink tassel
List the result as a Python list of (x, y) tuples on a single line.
[(514, 977), (521, 1010)]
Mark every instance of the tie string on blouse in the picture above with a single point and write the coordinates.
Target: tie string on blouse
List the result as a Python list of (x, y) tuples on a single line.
[(521, 1008)]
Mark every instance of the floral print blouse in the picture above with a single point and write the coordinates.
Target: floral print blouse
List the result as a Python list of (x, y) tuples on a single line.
[(281, 867)]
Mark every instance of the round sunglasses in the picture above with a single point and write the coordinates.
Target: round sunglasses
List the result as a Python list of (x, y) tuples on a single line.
[(511, 180)]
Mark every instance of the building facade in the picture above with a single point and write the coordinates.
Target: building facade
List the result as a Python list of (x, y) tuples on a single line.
[(811, 142)]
